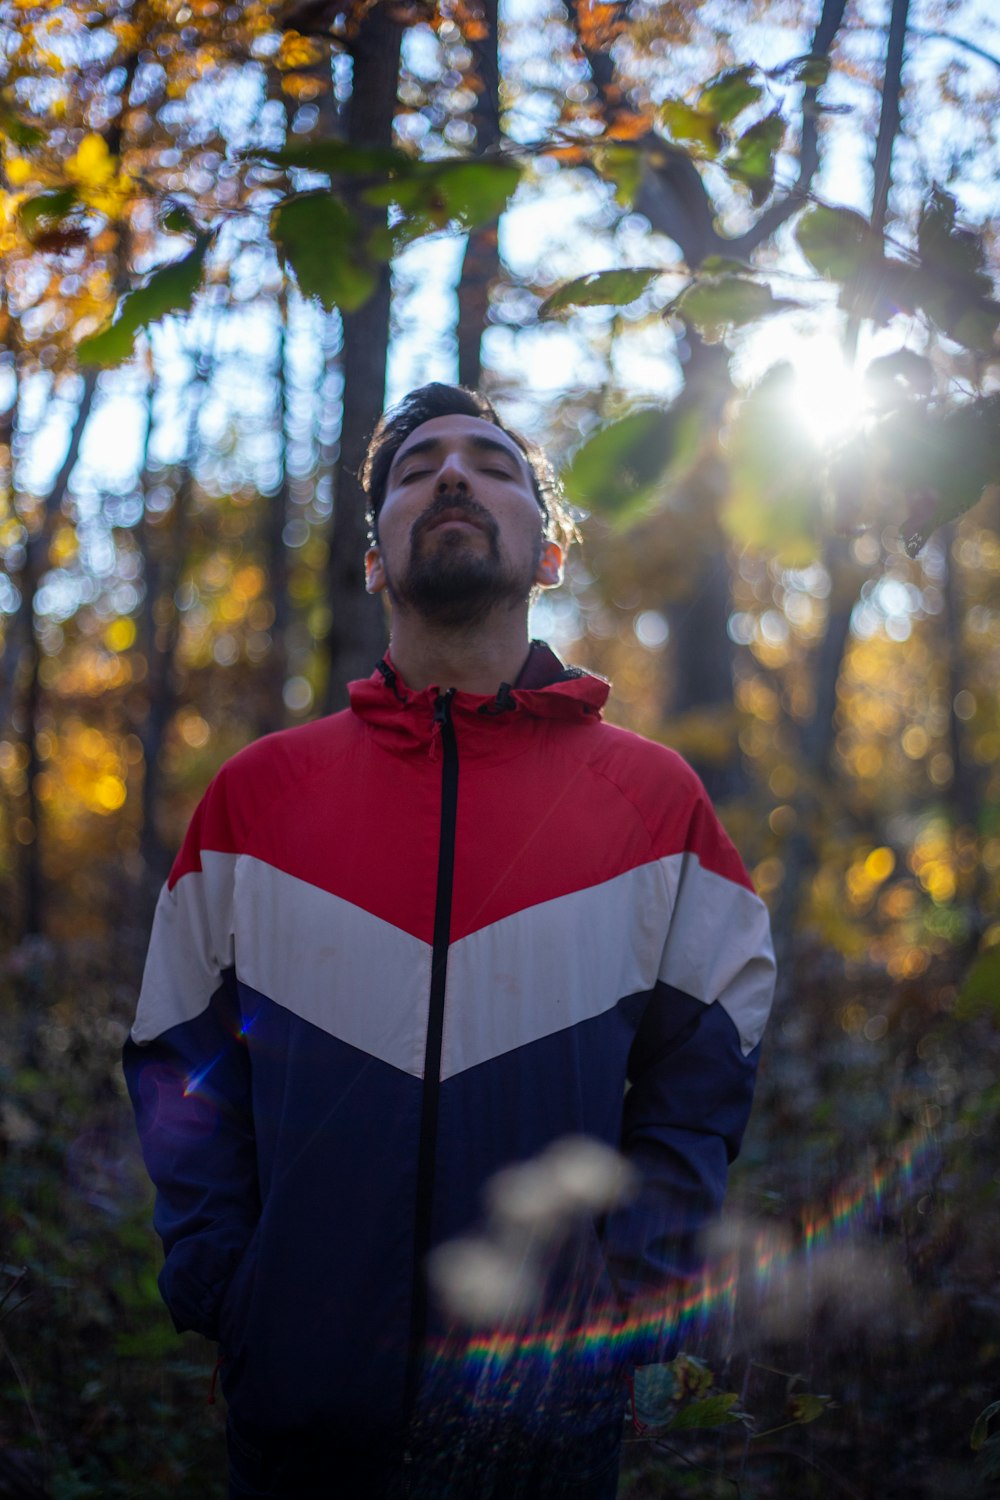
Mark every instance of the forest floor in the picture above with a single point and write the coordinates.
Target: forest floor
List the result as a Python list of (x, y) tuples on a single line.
[(857, 1347)]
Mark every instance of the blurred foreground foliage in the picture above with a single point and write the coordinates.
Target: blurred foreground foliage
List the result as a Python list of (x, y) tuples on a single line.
[(850, 1350)]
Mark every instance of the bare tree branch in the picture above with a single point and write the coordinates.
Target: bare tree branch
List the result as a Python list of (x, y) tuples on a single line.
[(772, 218), (936, 36), (888, 125)]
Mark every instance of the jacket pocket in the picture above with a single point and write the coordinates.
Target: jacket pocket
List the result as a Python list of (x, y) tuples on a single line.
[(236, 1303)]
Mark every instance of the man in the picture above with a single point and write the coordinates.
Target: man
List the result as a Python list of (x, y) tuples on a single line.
[(412, 943)]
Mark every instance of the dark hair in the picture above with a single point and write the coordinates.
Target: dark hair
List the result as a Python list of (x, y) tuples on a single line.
[(438, 400)]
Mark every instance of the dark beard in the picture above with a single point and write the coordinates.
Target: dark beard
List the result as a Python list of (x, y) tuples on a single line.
[(450, 584)]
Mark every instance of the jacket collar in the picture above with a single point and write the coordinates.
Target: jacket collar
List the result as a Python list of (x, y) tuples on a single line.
[(545, 689)]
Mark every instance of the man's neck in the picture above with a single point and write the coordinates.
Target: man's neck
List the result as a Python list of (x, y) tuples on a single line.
[(473, 659)]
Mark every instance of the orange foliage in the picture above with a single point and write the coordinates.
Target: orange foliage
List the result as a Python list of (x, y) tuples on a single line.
[(599, 23), (629, 125)]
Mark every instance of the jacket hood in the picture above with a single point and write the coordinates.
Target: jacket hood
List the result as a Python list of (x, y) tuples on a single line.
[(545, 689)]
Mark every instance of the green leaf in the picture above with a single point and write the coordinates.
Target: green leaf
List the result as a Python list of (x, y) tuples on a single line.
[(617, 470), (435, 195), (177, 220), (836, 242), (812, 69), (945, 247), (478, 192), (935, 465), (339, 158), (914, 371), (692, 127), (724, 96), (45, 209), (601, 288), (980, 995), (981, 1425), (153, 1342), (956, 291), (881, 289), (712, 1411), (18, 130), (622, 165), (719, 303), (317, 239), (722, 265), (776, 473), (970, 320), (805, 1407), (752, 159), (171, 289)]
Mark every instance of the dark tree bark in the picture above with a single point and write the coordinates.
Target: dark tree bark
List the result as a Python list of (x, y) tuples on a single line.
[(819, 733), (357, 633), (272, 712), (164, 547), (27, 662), (25, 667), (702, 653), (481, 264)]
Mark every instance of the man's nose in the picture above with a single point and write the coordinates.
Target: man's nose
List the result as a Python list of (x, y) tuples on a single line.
[(452, 475)]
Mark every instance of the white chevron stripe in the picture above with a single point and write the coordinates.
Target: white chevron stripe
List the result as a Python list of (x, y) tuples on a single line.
[(554, 965), (568, 960), (525, 977), (191, 943), (719, 948), (353, 975)]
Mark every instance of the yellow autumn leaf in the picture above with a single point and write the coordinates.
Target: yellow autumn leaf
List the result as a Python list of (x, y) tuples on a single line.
[(128, 35), (92, 165), (300, 86), (96, 172), (112, 202), (19, 170), (9, 205), (120, 634), (64, 547), (297, 51)]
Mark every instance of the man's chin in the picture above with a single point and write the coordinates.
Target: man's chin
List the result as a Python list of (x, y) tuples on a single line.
[(457, 589)]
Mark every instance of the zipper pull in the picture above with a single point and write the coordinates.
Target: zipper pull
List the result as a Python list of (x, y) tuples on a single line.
[(442, 707), (442, 716)]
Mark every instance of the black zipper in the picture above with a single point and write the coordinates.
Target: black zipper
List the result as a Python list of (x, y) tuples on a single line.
[(423, 1218)]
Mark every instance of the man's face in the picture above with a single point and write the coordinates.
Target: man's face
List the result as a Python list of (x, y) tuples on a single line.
[(460, 530)]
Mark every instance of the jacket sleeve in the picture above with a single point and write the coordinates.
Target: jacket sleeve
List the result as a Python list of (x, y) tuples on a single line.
[(691, 1075), (188, 1075)]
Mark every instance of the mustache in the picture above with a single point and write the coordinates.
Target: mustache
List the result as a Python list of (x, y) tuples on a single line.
[(476, 513)]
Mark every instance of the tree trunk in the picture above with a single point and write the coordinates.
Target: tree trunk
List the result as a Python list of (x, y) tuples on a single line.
[(27, 668), (272, 713), (164, 552), (357, 633), (818, 735), (701, 659), (481, 263)]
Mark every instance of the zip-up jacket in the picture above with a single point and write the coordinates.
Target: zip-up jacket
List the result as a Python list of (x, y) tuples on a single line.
[(402, 947)]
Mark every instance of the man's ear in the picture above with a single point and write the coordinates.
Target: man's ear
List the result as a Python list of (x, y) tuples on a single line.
[(550, 566), (374, 571)]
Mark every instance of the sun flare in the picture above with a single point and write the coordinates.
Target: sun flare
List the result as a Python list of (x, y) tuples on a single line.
[(828, 395)]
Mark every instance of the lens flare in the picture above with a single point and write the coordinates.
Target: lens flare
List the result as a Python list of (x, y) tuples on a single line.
[(744, 1262)]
